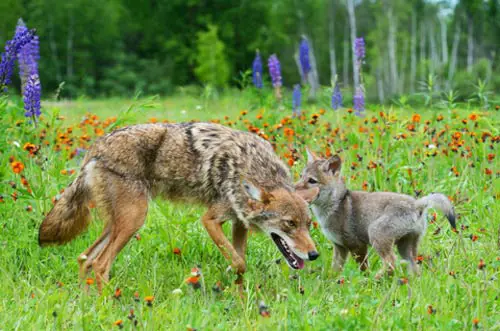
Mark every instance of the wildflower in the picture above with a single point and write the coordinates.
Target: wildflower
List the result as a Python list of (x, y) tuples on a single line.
[(136, 296), (263, 309), (359, 101), (12, 48), (257, 70), (118, 323), (359, 48), (296, 96), (89, 281), (32, 94), (305, 64), (431, 310), (177, 291), (177, 251), (481, 264), (275, 70), (415, 118), (336, 97), (473, 116), (28, 55), (131, 315), (217, 288), (403, 281), (17, 167), (475, 322), (118, 293), (149, 300)]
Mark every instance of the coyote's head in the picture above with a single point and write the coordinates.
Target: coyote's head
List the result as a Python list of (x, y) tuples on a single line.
[(284, 216), (320, 173)]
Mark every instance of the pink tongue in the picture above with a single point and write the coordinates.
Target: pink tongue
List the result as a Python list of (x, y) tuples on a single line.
[(300, 263)]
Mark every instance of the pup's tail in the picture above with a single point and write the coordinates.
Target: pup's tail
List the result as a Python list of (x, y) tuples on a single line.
[(441, 202), (69, 216)]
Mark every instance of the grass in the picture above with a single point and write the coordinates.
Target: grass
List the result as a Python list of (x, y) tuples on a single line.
[(389, 149)]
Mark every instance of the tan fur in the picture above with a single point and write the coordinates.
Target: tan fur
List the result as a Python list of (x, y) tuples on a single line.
[(235, 174), (352, 220)]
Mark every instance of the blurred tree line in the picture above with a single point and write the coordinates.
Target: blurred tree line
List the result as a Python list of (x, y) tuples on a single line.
[(116, 47)]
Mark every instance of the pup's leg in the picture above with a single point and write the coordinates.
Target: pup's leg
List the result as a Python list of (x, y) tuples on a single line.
[(339, 257), (361, 256), (406, 249), (212, 221), (381, 234), (87, 257)]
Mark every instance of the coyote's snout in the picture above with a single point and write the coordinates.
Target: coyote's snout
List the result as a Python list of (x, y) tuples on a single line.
[(235, 174), (352, 220)]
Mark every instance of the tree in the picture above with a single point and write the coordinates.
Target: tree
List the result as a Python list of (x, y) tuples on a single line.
[(212, 66)]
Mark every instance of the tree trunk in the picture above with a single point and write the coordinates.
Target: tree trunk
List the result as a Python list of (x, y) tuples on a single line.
[(444, 39), (434, 53), (391, 47), (345, 65), (313, 74), (402, 68), (423, 55), (454, 52), (413, 65), (352, 25), (380, 86), (333, 62), (470, 44)]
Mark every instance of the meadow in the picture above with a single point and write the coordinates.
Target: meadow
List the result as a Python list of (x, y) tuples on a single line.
[(410, 150)]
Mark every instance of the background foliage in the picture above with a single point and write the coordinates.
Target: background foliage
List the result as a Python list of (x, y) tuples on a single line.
[(116, 47)]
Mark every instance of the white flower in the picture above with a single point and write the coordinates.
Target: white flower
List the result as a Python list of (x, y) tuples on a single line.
[(432, 146), (177, 291)]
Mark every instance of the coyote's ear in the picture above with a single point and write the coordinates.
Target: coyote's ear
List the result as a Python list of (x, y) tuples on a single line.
[(311, 157), (256, 193), (333, 164), (309, 195)]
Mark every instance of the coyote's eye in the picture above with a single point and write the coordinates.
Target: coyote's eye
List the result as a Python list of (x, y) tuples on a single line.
[(291, 223), (312, 181)]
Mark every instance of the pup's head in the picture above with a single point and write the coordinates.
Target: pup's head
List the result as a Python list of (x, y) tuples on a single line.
[(321, 172), (285, 217)]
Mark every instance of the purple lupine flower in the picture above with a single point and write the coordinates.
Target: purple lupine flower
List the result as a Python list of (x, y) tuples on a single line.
[(28, 55), (257, 71), (296, 98), (12, 48), (304, 57), (336, 97), (32, 94), (274, 70), (359, 101), (359, 48)]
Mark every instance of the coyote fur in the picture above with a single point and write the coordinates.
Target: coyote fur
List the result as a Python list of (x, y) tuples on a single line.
[(352, 220), (235, 174)]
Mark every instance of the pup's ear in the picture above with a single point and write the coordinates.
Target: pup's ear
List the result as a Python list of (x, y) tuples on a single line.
[(256, 193), (333, 165), (311, 157), (309, 195)]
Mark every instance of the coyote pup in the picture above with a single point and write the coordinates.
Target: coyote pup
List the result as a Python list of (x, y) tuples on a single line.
[(235, 174), (352, 220)]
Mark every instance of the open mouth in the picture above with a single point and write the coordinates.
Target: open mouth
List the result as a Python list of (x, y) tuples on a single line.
[(292, 259)]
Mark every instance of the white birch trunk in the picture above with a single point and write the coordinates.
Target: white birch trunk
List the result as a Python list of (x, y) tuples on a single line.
[(470, 44), (331, 30), (444, 40), (423, 55), (413, 65), (352, 25), (380, 86), (391, 46), (345, 66), (454, 53), (402, 68)]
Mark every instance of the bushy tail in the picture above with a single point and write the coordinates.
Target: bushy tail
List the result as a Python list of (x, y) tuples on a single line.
[(69, 217), (441, 202)]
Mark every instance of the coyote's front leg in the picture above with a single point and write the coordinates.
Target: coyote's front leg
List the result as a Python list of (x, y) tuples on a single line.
[(212, 221)]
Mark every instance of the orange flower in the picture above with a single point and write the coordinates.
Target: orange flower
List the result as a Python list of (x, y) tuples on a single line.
[(149, 300), (118, 293), (17, 167), (410, 127), (89, 281), (440, 118), (473, 116), (431, 310), (475, 321), (481, 264), (415, 118), (243, 112), (99, 131), (259, 116), (177, 251), (488, 171), (365, 185), (291, 162), (118, 323)]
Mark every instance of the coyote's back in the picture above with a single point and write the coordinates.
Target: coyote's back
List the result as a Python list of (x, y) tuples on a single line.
[(195, 162)]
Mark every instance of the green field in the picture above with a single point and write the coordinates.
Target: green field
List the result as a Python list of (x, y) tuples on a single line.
[(455, 152)]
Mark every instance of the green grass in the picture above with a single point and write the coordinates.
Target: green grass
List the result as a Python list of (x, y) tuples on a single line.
[(40, 287)]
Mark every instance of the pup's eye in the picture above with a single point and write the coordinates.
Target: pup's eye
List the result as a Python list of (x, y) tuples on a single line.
[(312, 181), (291, 223)]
